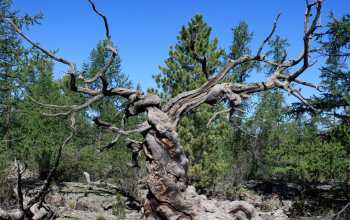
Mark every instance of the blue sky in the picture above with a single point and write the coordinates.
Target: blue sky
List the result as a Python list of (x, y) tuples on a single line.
[(144, 30)]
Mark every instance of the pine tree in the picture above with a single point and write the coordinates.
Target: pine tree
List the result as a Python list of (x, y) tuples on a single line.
[(12, 59), (241, 37), (237, 139), (99, 58), (312, 157), (39, 135), (182, 71), (335, 74), (267, 122), (113, 160), (334, 101)]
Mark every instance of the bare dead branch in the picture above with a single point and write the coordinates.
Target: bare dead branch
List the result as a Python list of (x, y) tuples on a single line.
[(308, 32), (296, 93), (103, 71), (129, 94), (110, 145), (177, 101), (35, 203), (301, 82), (139, 129), (40, 196), (337, 215), (115, 140), (71, 65), (76, 108), (186, 101), (105, 21), (49, 106), (274, 26), (45, 51), (215, 115), (269, 62)]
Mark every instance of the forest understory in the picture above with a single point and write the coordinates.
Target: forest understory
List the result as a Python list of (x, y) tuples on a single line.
[(92, 200)]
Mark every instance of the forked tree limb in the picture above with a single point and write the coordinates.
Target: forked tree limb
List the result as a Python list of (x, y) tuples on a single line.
[(308, 32), (105, 21), (184, 97), (186, 101), (267, 39), (138, 129)]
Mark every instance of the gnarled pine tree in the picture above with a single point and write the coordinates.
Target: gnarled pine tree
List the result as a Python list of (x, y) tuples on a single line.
[(169, 196)]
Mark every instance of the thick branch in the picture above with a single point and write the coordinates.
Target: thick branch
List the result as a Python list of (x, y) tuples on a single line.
[(45, 51), (211, 91), (308, 32)]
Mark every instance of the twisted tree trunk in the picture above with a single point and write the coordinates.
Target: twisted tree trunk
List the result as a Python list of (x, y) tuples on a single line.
[(169, 196)]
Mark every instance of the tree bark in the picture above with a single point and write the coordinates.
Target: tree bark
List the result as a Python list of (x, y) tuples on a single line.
[(169, 196)]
